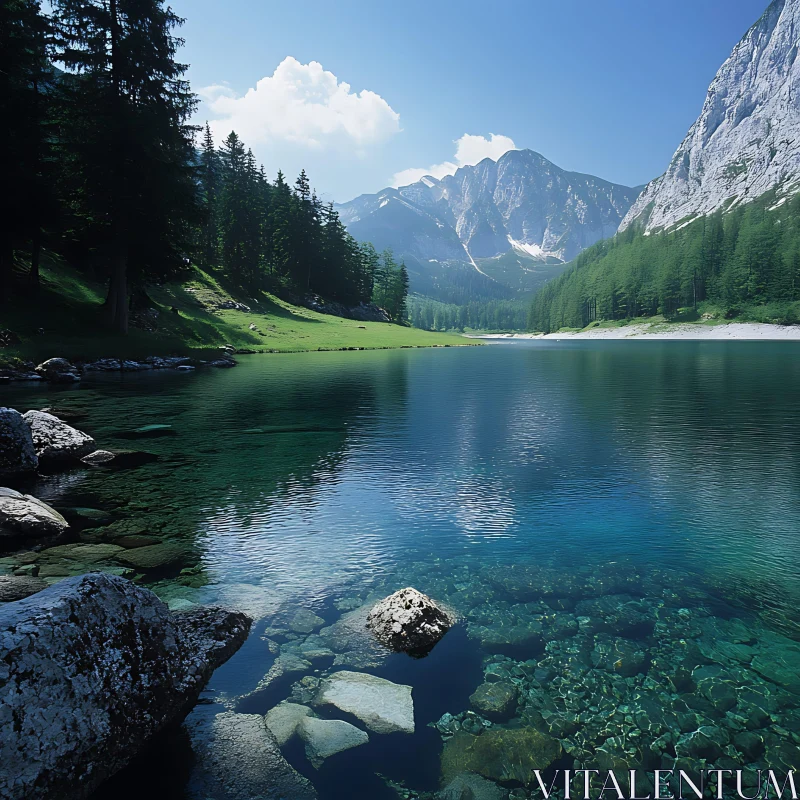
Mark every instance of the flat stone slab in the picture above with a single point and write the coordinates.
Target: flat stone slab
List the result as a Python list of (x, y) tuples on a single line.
[(154, 556), (284, 719), (237, 758), (305, 621), (383, 706), (16, 587), (327, 737)]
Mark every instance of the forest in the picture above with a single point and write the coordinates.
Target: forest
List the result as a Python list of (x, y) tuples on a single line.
[(736, 259), (487, 315), (103, 166)]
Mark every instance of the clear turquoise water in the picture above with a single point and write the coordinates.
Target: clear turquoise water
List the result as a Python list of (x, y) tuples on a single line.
[(518, 482)]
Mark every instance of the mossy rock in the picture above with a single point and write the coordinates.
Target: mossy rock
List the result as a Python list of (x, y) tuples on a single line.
[(504, 755)]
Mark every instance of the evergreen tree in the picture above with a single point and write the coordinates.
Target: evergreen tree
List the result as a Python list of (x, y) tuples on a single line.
[(126, 136), (209, 199), (26, 110)]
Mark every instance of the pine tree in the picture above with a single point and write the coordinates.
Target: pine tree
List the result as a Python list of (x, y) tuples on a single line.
[(128, 140), (26, 110), (209, 199)]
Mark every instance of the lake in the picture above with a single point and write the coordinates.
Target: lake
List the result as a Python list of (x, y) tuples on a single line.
[(616, 523)]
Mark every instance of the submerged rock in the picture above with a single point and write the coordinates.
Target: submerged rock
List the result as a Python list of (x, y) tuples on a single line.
[(17, 587), (506, 756), (305, 621), (237, 758), (55, 441), (17, 453), (119, 459), (383, 706), (495, 701), (284, 719), (154, 556), (409, 621), (326, 737), (90, 669), (471, 787), (23, 514)]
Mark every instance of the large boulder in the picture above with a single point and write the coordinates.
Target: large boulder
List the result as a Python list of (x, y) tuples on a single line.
[(17, 453), (55, 441), (90, 669), (409, 621), (58, 370), (21, 514)]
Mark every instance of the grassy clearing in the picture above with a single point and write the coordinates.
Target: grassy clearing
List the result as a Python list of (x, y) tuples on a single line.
[(66, 320)]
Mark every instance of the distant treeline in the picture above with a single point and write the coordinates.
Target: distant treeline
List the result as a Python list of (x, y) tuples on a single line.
[(749, 255), (100, 164), (491, 315)]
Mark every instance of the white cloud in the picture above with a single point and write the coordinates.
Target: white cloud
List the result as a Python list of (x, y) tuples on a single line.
[(302, 104), (470, 150)]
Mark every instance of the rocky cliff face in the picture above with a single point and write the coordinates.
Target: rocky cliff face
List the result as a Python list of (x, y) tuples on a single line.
[(521, 204), (746, 140)]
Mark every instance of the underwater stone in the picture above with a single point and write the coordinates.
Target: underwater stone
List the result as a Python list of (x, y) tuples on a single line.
[(326, 737), (409, 621), (471, 787), (503, 755), (17, 587), (495, 700), (305, 621), (237, 758), (154, 556), (284, 719)]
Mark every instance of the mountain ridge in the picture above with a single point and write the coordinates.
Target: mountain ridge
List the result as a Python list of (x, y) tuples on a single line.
[(744, 143), (521, 206)]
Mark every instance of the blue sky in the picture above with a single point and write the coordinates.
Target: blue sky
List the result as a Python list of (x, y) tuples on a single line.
[(609, 88)]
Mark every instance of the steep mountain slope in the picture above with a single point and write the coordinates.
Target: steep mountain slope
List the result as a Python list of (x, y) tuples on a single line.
[(747, 138), (522, 205)]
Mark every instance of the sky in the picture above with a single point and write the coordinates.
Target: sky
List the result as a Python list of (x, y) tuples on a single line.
[(366, 94)]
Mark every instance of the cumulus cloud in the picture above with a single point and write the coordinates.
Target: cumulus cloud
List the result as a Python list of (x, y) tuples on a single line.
[(305, 105), (470, 150)]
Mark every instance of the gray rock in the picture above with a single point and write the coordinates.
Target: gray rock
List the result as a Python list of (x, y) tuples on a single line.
[(284, 719), (17, 453), (55, 441), (57, 370), (495, 701), (384, 707), (471, 787), (305, 621), (154, 556), (408, 621), (23, 514), (237, 758), (326, 737), (90, 669), (17, 587), (120, 459)]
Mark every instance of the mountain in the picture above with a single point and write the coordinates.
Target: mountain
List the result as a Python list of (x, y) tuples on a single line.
[(492, 229), (745, 142)]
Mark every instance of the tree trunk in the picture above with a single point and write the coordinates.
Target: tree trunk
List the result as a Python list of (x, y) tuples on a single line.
[(36, 254), (6, 268), (117, 300)]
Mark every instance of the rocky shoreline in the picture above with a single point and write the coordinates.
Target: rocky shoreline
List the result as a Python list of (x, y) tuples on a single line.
[(60, 370)]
